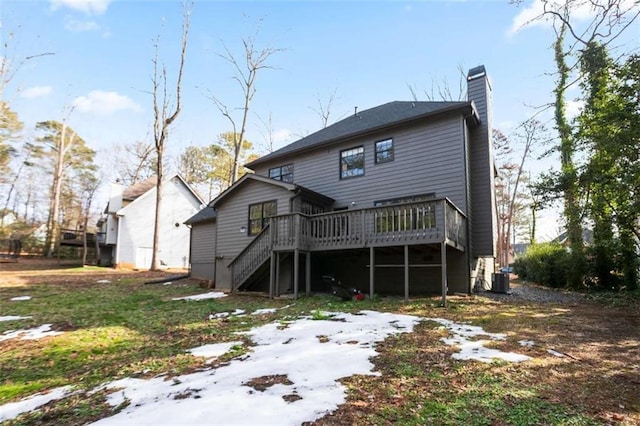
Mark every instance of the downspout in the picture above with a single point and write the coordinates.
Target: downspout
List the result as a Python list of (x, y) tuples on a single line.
[(116, 261)]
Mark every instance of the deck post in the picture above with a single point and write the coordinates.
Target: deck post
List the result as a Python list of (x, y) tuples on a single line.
[(277, 274), (307, 269), (406, 273), (296, 267), (272, 271), (443, 261), (372, 269)]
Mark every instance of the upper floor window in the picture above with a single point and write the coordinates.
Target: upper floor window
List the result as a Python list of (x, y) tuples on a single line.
[(259, 213), (384, 151), (283, 173), (352, 162)]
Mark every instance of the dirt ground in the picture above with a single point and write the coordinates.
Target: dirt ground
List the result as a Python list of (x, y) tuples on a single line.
[(28, 270)]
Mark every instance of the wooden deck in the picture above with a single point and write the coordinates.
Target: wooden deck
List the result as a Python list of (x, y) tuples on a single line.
[(425, 222)]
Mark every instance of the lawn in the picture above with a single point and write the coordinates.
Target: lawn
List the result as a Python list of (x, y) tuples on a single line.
[(584, 366)]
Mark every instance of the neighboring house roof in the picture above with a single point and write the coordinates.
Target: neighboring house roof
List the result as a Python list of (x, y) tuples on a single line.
[(288, 186), (563, 238), (374, 119), (207, 214), (149, 190), (139, 188)]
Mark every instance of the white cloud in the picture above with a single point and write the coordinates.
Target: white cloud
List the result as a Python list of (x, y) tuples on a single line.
[(36, 92), (95, 7), (531, 16), (101, 102), (76, 26)]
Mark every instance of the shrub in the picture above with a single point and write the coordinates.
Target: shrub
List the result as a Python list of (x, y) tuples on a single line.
[(547, 264)]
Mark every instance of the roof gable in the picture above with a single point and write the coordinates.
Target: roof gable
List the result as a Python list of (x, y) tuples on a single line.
[(151, 190), (250, 176), (374, 119)]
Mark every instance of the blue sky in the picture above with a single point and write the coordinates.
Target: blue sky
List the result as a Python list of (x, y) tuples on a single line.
[(368, 52)]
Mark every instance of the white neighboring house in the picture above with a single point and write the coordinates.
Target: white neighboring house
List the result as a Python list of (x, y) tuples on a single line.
[(127, 226)]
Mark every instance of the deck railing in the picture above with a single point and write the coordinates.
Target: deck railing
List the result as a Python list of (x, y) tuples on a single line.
[(423, 222), (411, 223)]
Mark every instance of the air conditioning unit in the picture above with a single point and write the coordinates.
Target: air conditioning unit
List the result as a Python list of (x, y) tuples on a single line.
[(500, 283)]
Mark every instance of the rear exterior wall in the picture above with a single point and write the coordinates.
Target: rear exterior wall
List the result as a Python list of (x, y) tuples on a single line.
[(428, 158), (233, 215)]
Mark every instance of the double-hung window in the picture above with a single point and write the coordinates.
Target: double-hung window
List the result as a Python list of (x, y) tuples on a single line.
[(384, 151), (258, 215), (352, 162), (283, 173)]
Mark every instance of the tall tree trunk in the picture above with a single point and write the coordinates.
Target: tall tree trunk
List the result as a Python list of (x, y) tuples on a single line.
[(155, 259), (569, 183)]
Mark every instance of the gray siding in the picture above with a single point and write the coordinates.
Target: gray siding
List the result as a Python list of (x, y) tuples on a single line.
[(203, 250), (483, 235), (428, 158), (233, 213)]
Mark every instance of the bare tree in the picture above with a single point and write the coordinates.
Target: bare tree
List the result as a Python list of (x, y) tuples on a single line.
[(137, 162), (267, 132), (163, 118), (441, 90), (323, 108), (246, 71)]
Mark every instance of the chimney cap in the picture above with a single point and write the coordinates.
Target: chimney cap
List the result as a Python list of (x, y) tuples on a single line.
[(476, 72)]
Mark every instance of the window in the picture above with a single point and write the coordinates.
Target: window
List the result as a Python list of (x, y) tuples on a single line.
[(352, 162), (384, 151), (283, 173), (258, 215), (396, 217)]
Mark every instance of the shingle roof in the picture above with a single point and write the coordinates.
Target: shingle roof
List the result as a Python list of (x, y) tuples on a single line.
[(137, 189), (205, 215), (377, 118)]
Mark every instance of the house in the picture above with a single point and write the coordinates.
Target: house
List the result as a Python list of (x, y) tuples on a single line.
[(126, 228), (398, 198)]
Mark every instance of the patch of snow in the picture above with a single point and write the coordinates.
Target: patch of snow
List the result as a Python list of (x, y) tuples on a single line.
[(167, 283), (555, 353), (221, 395), (30, 334), (210, 295), (30, 403), (103, 281), (12, 318), (20, 298), (263, 311), (214, 350), (475, 350), (237, 312), (527, 343)]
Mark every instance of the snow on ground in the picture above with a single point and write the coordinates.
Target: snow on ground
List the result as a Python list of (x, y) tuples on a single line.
[(310, 355), (12, 318), (19, 298), (103, 281), (203, 296), (30, 403), (527, 343), (263, 311), (297, 363), (237, 313), (475, 349), (214, 350), (30, 334)]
